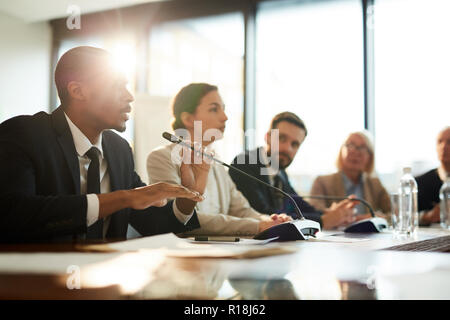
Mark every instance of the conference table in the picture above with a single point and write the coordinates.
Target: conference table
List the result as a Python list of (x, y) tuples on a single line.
[(334, 266)]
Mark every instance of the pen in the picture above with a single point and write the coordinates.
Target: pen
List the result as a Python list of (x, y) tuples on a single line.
[(222, 239)]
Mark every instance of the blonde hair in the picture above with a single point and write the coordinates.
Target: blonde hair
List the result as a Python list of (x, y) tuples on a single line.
[(365, 136)]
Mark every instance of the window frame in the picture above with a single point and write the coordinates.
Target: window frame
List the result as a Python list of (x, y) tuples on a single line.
[(141, 18)]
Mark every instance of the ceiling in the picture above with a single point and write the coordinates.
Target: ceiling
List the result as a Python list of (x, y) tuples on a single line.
[(41, 10)]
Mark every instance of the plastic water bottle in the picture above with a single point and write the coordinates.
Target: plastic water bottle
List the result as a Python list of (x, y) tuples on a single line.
[(408, 208), (444, 196)]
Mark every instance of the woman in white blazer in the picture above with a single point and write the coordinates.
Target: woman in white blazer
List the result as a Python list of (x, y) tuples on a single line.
[(198, 111)]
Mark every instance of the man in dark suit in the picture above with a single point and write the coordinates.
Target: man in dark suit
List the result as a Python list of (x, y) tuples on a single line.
[(65, 175), (291, 134), (429, 183)]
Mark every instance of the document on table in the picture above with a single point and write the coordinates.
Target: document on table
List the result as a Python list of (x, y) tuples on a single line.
[(50, 262), (337, 238), (178, 247), (241, 241)]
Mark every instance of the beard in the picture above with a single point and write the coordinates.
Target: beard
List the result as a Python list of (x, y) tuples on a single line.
[(120, 127), (282, 162)]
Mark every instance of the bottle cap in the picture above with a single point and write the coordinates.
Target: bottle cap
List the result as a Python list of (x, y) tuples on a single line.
[(407, 170)]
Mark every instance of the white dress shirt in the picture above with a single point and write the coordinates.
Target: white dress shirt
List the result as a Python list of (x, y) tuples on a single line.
[(82, 145)]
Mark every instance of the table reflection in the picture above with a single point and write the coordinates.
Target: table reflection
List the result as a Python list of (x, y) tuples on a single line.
[(223, 279)]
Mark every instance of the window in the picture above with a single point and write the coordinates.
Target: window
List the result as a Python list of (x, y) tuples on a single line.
[(202, 50), (310, 61), (412, 84)]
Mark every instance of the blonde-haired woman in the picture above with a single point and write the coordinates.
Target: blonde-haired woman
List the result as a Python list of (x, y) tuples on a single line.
[(355, 165)]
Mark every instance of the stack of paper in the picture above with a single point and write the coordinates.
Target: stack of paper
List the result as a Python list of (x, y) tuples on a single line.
[(178, 247)]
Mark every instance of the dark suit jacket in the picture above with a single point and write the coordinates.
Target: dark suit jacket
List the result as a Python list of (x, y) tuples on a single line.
[(40, 184), (428, 185), (261, 197)]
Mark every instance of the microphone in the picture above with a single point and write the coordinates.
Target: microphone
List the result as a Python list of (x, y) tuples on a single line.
[(300, 229), (369, 225), (172, 138)]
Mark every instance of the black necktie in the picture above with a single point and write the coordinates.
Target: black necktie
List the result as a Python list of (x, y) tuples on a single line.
[(95, 231), (278, 197)]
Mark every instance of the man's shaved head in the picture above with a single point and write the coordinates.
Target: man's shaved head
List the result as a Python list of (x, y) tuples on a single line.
[(92, 90), (79, 64)]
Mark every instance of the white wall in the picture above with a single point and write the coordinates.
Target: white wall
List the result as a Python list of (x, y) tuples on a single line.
[(152, 117), (25, 62)]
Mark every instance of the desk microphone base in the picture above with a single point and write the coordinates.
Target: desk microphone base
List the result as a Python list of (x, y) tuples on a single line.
[(371, 225), (290, 231)]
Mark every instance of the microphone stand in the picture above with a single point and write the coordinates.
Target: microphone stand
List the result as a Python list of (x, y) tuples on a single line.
[(299, 229), (369, 225)]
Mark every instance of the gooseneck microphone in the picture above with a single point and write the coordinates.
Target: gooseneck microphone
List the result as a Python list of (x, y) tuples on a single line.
[(299, 229), (177, 140), (373, 224)]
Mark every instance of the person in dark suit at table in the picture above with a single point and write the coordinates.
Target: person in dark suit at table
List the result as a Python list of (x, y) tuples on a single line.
[(291, 134), (66, 176), (429, 183)]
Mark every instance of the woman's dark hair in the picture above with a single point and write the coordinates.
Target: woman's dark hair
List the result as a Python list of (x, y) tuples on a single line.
[(187, 100)]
